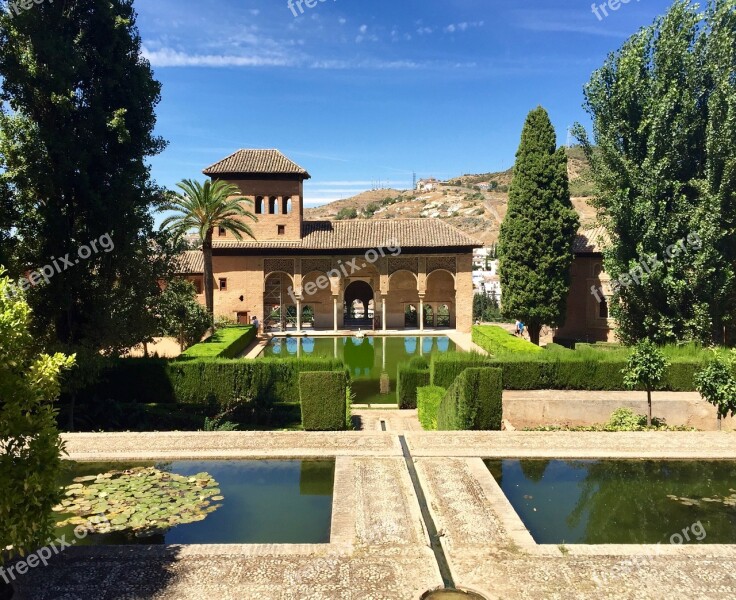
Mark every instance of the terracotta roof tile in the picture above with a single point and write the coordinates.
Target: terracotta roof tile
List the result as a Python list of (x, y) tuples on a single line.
[(267, 162), (378, 233), (591, 241), (190, 262)]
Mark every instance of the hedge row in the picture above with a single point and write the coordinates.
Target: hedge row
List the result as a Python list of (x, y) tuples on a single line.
[(229, 342), (408, 381), (559, 371), (323, 400), (428, 402), (259, 386), (446, 368), (499, 342), (473, 402)]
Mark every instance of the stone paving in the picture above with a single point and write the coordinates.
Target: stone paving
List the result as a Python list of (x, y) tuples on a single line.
[(379, 548)]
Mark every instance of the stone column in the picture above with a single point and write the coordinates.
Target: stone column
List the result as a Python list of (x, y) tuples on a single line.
[(421, 313), (334, 313), (383, 312), (298, 315)]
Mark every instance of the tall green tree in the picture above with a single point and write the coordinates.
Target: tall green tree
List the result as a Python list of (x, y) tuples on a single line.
[(664, 163), (202, 208), (76, 130), (179, 314), (535, 247), (30, 460)]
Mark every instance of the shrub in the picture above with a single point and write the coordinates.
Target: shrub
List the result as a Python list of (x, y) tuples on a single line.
[(473, 402), (498, 342), (323, 397), (266, 390), (447, 367), (419, 362), (230, 342), (30, 446), (428, 402), (407, 382)]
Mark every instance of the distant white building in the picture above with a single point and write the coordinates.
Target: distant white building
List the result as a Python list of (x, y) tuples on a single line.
[(427, 185)]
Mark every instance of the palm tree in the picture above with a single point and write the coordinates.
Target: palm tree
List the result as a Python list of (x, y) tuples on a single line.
[(204, 207)]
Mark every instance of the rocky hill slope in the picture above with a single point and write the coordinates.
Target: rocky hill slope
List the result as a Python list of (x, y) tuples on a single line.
[(459, 201)]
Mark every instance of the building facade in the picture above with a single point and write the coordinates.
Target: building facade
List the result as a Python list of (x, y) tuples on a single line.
[(298, 274), (588, 317)]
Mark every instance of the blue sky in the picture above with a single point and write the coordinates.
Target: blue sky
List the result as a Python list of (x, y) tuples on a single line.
[(359, 92)]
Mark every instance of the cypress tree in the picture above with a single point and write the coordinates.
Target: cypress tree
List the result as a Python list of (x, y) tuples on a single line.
[(535, 248)]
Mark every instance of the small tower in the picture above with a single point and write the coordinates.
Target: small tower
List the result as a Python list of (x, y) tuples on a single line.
[(275, 187)]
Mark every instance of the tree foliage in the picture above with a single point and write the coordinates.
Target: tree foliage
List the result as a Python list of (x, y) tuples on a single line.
[(202, 207), (717, 384), (664, 125), (30, 446), (76, 130), (646, 367), (179, 314), (535, 247)]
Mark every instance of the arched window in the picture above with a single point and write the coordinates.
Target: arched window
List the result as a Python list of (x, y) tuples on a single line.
[(259, 205), (286, 206), (603, 309), (443, 316), (273, 205)]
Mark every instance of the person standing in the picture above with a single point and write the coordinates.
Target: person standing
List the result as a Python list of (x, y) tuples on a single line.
[(256, 324)]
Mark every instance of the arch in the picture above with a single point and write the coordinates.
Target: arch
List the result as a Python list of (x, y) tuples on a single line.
[(259, 205), (403, 273), (278, 308), (273, 206), (286, 205), (358, 293), (432, 275)]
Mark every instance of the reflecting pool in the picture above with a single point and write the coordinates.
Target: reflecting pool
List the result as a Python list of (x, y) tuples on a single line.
[(620, 501), (265, 502), (373, 361)]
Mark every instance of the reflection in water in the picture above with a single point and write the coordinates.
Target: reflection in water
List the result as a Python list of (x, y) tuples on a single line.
[(265, 501), (620, 502), (373, 365)]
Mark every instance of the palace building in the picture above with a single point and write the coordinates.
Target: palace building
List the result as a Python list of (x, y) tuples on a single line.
[(374, 274)]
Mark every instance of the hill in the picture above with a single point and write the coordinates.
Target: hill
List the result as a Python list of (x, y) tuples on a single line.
[(459, 201)]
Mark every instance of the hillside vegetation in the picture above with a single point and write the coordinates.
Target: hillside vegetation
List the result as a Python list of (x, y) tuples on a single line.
[(458, 201)]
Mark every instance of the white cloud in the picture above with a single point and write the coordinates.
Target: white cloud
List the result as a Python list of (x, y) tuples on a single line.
[(168, 57), (425, 30), (342, 20), (464, 26), (255, 12)]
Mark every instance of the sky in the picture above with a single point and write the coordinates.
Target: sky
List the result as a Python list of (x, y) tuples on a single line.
[(365, 94)]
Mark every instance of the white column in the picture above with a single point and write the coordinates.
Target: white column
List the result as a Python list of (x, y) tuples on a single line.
[(421, 314), (298, 315), (383, 313), (334, 313)]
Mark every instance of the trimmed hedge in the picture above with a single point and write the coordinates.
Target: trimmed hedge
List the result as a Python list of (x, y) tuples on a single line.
[(229, 342), (419, 362), (428, 402), (323, 399), (446, 368), (473, 402), (407, 382), (264, 387), (499, 342), (561, 371)]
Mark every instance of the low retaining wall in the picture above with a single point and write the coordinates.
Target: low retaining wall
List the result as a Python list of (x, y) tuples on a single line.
[(525, 409)]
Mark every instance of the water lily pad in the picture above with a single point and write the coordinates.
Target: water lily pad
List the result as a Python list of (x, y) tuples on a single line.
[(142, 501)]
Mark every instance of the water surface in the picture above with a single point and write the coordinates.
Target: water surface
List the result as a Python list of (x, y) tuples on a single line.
[(266, 501), (622, 502)]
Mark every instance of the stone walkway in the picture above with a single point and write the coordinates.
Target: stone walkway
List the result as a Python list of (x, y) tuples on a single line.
[(379, 545), (397, 421)]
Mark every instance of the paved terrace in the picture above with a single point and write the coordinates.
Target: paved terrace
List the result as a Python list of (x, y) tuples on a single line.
[(379, 547)]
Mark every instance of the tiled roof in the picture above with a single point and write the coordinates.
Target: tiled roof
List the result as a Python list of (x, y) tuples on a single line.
[(190, 262), (591, 241), (366, 234), (248, 162)]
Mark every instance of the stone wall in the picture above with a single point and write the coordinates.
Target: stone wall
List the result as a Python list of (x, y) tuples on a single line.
[(530, 409)]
